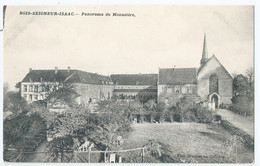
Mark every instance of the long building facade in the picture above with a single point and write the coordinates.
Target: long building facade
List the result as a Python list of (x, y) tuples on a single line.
[(135, 85), (210, 83), (38, 84)]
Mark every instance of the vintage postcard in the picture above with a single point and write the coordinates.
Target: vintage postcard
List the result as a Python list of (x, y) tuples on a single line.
[(128, 84)]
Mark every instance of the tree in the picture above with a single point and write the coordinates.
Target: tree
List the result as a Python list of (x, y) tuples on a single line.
[(250, 76), (243, 88), (251, 80), (6, 87), (240, 85), (23, 133), (14, 102), (59, 146)]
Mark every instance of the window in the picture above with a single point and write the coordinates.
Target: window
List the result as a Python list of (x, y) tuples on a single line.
[(40, 88), (35, 97), (25, 96), (31, 88), (169, 90), (177, 89), (35, 88), (190, 90), (30, 97), (213, 83), (43, 88), (184, 89), (25, 88)]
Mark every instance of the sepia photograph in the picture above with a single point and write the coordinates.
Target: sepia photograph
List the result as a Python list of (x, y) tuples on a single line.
[(128, 84)]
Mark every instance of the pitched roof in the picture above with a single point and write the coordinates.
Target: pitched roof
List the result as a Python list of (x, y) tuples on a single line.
[(178, 76), (72, 76), (135, 90), (134, 79), (63, 93), (211, 58)]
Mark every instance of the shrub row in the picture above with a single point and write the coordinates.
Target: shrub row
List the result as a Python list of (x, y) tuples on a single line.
[(246, 139)]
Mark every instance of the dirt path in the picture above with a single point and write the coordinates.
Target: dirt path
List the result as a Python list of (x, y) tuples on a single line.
[(244, 123), (38, 157)]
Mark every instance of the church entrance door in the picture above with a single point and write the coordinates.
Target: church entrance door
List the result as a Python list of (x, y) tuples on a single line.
[(214, 101)]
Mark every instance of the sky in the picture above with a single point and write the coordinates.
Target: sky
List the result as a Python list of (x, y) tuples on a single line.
[(158, 36)]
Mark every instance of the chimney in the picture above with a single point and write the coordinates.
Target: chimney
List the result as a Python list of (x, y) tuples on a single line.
[(56, 70), (30, 69), (68, 68)]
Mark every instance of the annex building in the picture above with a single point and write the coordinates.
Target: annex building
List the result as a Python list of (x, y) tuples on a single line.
[(209, 83), (135, 85)]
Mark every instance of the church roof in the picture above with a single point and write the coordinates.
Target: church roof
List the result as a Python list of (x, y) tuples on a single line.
[(71, 76), (134, 79), (177, 76), (210, 59)]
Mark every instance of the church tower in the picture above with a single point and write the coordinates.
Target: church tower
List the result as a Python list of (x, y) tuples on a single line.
[(204, 52)]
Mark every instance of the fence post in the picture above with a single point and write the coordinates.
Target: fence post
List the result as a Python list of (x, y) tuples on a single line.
[(143, 155), (105, 157), (89, 154)]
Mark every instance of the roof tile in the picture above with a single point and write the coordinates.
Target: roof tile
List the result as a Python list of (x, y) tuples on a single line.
[(178, 76)]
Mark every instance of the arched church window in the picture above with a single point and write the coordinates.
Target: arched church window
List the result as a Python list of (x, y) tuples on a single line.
[(213, 83)]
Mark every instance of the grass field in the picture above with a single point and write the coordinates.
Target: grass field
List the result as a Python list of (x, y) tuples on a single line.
[(191, 142)]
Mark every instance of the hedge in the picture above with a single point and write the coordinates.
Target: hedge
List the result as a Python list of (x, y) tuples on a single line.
[(248, 140)]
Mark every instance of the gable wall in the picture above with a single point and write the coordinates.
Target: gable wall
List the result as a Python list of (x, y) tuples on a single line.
[(224, 81)]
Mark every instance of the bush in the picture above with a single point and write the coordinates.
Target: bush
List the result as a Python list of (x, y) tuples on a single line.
[(242, 105), (204, 115), (184, 111)]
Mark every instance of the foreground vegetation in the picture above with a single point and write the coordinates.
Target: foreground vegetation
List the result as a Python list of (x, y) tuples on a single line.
[(243, 94), (190, 143), (202, 141)]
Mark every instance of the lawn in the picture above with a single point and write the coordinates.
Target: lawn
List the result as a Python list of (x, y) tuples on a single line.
[(190, 142)]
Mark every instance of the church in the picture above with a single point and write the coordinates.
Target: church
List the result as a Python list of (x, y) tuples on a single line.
[(210, 83)]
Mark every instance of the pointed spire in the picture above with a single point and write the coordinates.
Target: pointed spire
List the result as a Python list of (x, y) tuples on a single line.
[(204, 52)]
